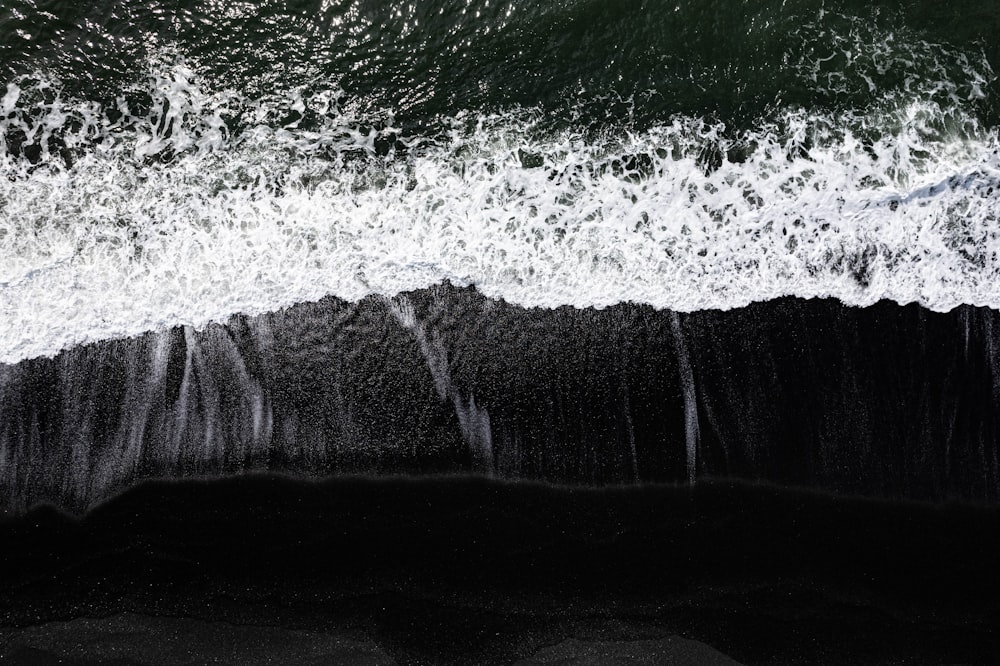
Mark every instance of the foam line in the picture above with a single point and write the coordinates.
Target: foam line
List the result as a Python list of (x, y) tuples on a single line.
[(127, 220)]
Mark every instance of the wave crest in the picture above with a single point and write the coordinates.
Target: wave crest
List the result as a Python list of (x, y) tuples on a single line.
[(191, 206)]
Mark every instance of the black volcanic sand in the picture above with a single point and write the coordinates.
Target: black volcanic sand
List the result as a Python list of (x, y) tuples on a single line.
[(469, 571)]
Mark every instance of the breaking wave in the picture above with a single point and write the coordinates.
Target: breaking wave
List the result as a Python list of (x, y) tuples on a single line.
[(178, 204)]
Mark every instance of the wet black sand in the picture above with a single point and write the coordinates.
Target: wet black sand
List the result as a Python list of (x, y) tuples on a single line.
[(470, 571)]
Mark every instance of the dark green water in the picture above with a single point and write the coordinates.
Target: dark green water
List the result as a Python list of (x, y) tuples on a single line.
[(645, 61)]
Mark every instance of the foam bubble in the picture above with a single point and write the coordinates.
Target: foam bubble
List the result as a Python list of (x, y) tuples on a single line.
[(117, 219)]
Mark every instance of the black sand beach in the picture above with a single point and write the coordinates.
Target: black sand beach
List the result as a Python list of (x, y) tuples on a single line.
[(472, 571)]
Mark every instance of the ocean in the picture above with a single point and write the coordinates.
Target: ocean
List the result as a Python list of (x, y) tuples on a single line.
[(681, 251)]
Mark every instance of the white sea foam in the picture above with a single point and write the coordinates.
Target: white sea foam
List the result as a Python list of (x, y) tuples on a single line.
[(167, 217)]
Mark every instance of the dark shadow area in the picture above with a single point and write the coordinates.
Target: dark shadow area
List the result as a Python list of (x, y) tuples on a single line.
[(470, 571)]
